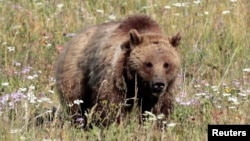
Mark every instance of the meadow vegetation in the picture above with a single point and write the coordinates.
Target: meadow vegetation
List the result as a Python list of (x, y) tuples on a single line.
[(213, 86)]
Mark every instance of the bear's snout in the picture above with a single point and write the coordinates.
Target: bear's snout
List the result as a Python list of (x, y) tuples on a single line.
[(158, 87)]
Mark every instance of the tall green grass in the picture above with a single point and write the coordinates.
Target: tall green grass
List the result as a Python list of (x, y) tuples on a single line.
[(212, 88)]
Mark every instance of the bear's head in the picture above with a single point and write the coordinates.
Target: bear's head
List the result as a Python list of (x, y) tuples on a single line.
[(154, 58)]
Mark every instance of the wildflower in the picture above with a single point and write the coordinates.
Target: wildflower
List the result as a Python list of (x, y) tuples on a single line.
[(233, 99), (11, 49), (35, 75), (4, 43), (99, 11), (233, 0), (22, 138), (52, 92), (205, 12), (246, 70), (30, 77), (70, 105), (173, 26), (242, 94), (11, 105), (31, 97), (183, 100), (171, 124), (26, 70), (186, 103), (177, 14), (17, 64), (226, 94), (112, 17), (181, 4), (39, 3), (161, 116), (14, 131), (23, 89), (59, 6), (219, 106), (5, 84), (197, 2), (225, 12), (31, 87), (48, 45), (79, 119), (78, 102), (167, 7), (200, 94), (214, 88), (151, 115), (197, 86), (232, 107), (17, 96), (44, 99)]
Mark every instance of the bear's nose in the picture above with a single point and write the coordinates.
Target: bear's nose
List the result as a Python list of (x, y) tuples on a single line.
[(158, 87)]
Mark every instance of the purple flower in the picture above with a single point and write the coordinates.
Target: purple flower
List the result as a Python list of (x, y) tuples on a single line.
[(9, 100), (17, 96), (182, 99), (26, 70), (79, 119)]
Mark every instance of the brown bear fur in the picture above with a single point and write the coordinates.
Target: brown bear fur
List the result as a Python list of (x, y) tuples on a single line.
[(112, 66)]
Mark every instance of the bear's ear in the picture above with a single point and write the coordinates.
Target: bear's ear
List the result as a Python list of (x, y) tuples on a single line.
[(134, 37), (175, 40)]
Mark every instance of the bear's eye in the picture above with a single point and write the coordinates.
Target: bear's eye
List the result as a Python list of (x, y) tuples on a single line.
[(166, 65), (148, 64)]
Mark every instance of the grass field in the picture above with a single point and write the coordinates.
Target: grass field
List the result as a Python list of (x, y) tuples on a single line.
[(213, 86)]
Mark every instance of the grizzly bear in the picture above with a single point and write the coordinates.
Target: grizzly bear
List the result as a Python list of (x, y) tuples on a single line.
[(116, 66)]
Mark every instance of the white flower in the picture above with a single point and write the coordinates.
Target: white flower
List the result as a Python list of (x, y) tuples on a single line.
[(48, 45), (201, 94), (112, 17), (215, 88), (23, 89), (171, 124), (44, 99), (232, 107), (226, 94), (32, 87), (161, 116), (233, 99), (197, 2), (181, 4), (225, 12), (59, 6), (5, 84), (30, 77), (13, 131), (246, 70), (39, 3), (52, 92), (78, 102), (17, 64), (242, 94), (167, 7), (11, 49), (219, 106), (233, 0), (70, 105), (99, 11)]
